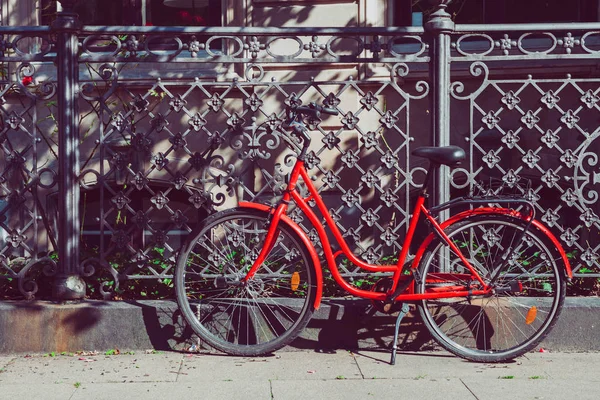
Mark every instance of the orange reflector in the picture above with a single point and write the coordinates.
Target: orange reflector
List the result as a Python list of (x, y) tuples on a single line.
[(295, 281), (531, 314)]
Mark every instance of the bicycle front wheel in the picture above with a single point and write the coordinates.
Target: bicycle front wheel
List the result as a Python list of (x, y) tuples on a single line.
[(527, 299), (240, 317)]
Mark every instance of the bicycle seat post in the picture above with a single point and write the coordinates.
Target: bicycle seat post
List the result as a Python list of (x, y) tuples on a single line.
[(430, 170)]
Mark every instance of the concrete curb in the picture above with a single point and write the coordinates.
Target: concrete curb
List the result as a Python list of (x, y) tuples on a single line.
[(43, 327)]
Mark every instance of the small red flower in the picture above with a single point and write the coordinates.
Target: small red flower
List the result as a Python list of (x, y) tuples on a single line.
[(185, 16), (28, 80), (198, 20)]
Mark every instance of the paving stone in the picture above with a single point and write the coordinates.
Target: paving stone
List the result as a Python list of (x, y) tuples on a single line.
[(531, 389), (162, 390), (73, 369), (371, 389), (284, 365), (445, 365), (36, 391)]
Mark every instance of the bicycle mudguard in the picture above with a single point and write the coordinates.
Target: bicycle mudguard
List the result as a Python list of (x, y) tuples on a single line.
[(494, 211), (311, 248)]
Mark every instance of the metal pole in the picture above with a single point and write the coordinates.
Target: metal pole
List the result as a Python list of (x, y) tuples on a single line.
[(68, 284), (439, 26)]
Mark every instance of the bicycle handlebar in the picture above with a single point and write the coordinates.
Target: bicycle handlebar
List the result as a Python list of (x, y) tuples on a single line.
[(296, 114), (315, 110)]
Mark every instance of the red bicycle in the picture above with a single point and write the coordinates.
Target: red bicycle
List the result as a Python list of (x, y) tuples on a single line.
[(489, 282)]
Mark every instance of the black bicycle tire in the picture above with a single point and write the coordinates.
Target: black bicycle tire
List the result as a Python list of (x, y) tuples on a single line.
[(515, 351), (231, 348)]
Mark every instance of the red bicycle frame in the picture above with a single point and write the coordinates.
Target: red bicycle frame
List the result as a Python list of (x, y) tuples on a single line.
[(292, 194)]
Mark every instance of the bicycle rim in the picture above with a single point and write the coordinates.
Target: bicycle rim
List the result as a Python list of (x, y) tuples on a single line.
[(251, 318), (529, 291)]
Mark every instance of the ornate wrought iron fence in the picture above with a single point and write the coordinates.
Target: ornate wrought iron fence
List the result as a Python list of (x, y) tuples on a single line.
[(168, 151), (29, 154), (531, 94), (162, 126)]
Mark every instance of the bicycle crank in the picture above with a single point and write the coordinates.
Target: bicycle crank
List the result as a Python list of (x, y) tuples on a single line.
[(386, 306)]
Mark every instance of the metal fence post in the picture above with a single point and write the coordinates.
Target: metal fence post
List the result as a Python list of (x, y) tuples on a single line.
[(68, 283), (439, 26)]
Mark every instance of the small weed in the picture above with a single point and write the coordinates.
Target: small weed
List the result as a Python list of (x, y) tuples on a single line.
[(536, 377), (112, 352), (77, 385), (418, 377), (340, 377), (507, 377)]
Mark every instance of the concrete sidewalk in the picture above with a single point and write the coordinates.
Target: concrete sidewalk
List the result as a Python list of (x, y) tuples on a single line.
[(298, 375)]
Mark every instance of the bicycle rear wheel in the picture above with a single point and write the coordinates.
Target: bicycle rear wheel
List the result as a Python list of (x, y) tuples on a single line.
[(244, 318), (522, 310)]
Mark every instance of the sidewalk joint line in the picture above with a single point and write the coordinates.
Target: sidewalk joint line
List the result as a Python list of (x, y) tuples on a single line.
[(468, 388), (179, 371), (357, 365)]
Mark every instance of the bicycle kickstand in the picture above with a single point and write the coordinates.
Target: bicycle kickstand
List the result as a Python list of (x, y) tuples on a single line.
[(401, 315)]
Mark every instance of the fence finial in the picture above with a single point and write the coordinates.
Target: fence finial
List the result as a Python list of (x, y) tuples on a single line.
[(440, 20), (67, 5)]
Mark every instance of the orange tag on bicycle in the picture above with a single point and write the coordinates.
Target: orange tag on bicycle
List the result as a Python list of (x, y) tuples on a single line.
[(295, 281), (531, 314)]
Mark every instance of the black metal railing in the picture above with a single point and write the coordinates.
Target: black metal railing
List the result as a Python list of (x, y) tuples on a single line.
[(116, 141)]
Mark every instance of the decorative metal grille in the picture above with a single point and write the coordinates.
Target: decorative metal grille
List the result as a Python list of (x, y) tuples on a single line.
[(161, 155), (28, 155), (533, 125), (179, 123)]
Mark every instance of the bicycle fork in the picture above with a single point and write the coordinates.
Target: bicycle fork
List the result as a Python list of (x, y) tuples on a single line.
[(270, 240), (272, 235)]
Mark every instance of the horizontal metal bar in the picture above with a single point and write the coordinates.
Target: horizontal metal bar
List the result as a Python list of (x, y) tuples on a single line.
[(251, 31), (526, 57), (268, 31), (16, 30), (238, 60), (487, 28)]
